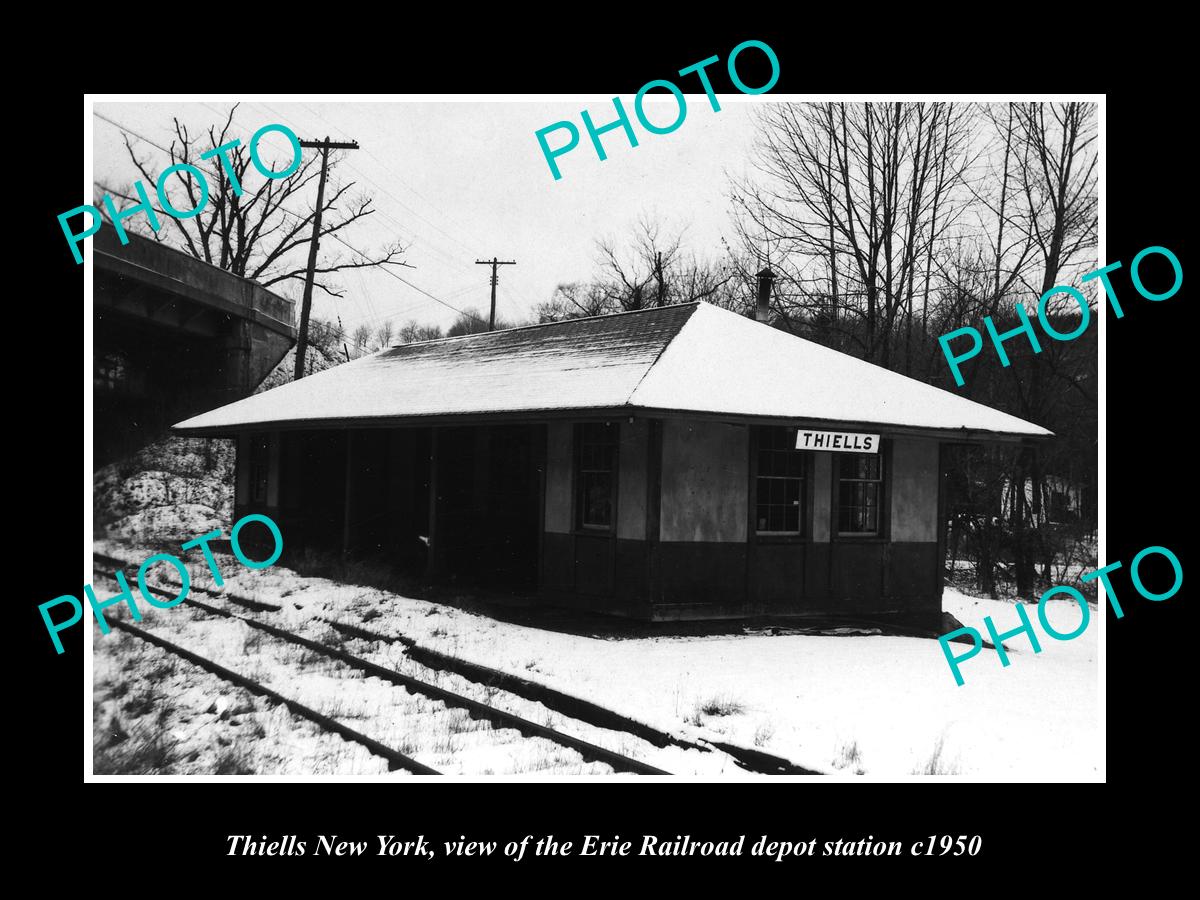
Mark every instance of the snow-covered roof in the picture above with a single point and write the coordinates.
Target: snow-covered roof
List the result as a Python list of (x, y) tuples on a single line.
[(693, 357)]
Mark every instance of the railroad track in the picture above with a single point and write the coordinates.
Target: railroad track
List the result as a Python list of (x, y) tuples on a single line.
[(755, 761), (497, 718), (395, 759)]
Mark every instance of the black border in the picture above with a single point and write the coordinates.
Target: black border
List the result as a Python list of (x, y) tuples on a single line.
[(1148, 169)]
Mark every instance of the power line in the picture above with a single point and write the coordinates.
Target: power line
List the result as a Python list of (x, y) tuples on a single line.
[(361, 254), (389, 171), (372, 314), (413, 306), (453, 260), (414, 239), (420, 290), (282, 209), (463, 312), (340, 331), (286, 211)]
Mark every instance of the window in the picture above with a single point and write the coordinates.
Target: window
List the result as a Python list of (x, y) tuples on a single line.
[(1061, 507), (260, 467), (595, 474), (860, 492), (110, 372), (780, 483)]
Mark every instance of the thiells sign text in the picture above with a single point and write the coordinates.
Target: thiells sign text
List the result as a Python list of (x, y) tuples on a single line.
[(844, 441)]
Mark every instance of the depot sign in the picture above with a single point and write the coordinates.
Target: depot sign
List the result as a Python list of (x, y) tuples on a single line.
[(843, 441)]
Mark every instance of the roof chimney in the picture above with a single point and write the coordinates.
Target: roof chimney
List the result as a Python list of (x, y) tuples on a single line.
[(765, 278)]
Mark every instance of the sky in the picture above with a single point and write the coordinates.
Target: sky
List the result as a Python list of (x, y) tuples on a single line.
[(466, 180)]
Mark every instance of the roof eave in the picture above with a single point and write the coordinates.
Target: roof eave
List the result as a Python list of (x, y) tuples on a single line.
[(950, 435)]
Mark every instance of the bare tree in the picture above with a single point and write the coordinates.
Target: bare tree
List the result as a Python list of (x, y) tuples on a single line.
[(254, 235), (644, 268), (326, 342), (1037, 213), (470, 321), (383, 335), (889, 224), (575, 300), (632, 270), (1056, 175), (413, 331), (649, 267), (362, 336), (848, 204)]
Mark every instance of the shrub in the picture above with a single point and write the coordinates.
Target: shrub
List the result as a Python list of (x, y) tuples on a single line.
[(849, 756), (721, 705), (140, 754), (233, 760), (936, 765)]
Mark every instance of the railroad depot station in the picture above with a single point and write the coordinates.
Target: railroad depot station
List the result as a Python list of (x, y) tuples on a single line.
[(643, 464)]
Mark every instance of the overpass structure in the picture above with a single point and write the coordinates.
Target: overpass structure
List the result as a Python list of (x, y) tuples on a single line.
[(173, 336)]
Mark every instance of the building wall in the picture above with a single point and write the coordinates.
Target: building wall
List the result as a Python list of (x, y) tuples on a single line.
[(559, 460), (631, 480), (606, 572), (683, 543), (256, 541), (273, 473), (307, 485), (704, 476), (685, 547), (822, 500), (241, 489), (899, 572), (914, 490), (702, 551)]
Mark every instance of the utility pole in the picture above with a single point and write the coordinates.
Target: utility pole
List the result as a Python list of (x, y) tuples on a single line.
[(494, 262), (306, 305)]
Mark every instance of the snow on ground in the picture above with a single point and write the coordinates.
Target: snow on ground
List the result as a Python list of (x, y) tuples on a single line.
[(875, 705), (174, 486), (447, 739), (155, 714)]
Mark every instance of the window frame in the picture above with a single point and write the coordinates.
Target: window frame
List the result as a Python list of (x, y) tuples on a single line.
[(577, 472), (882, 530), (804, 517), (110, 372)]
